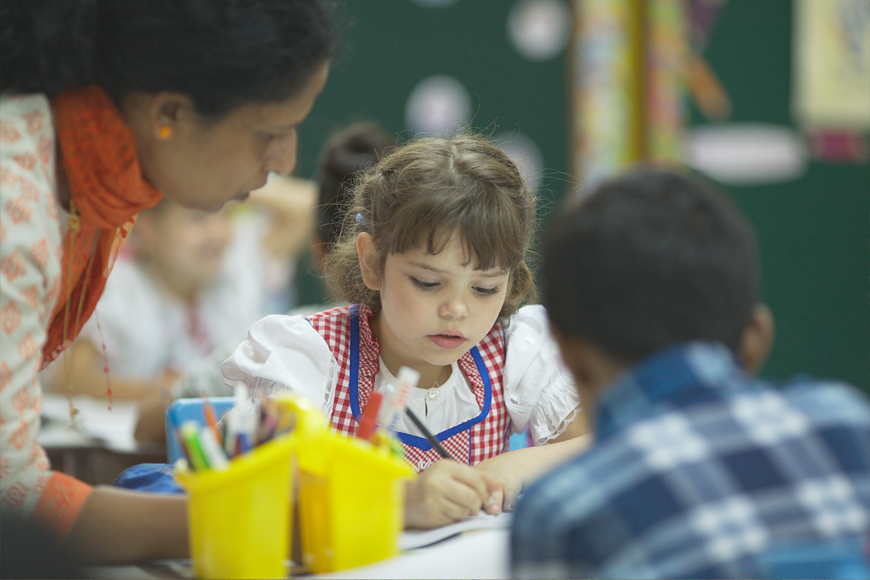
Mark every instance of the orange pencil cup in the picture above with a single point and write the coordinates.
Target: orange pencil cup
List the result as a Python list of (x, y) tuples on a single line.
[(239, 519), (351, 503)]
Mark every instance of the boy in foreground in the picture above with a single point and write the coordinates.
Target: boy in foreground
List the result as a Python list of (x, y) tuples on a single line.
[(698, 469)]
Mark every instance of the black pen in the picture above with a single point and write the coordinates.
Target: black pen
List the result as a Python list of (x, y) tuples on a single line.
[(429, 437)]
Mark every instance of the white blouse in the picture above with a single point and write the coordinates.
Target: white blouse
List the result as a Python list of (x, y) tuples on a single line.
[(147, 331), (285, 352)]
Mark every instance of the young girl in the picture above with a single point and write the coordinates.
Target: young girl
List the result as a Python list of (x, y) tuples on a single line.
[(432, 257)]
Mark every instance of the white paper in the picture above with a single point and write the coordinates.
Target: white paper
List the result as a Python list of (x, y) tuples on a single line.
[(413, 539), (473, 554), (112, 428)]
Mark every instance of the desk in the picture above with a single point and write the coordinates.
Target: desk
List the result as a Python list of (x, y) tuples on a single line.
[(101, 445), (477, 553)]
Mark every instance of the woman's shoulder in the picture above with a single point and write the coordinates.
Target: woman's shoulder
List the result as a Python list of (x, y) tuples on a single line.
[(26, 132), (12, 105), (27, 195)]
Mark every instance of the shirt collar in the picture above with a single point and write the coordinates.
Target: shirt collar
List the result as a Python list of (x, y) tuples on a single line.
[(664, 378)]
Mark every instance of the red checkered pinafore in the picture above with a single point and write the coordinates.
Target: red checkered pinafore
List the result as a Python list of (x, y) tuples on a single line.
[(347, 333)]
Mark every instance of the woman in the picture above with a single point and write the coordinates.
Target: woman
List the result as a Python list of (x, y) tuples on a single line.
[(106, 106)]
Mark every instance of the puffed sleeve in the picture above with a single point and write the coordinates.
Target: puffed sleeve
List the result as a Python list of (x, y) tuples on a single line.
[(539, 388), (284, 353)]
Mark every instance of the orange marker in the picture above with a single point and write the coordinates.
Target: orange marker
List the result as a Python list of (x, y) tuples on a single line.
[(370, 415), (211, 419)]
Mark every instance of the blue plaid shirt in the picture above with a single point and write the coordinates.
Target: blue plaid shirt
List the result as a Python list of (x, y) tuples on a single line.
[(697, 471)]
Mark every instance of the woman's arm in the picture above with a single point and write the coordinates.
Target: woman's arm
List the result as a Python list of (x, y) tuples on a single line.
[(121, 526)]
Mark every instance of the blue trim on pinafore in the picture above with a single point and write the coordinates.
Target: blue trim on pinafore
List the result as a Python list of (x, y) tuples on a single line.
[(412, 440)]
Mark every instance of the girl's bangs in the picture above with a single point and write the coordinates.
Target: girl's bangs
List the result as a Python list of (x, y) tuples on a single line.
[(491, 241)]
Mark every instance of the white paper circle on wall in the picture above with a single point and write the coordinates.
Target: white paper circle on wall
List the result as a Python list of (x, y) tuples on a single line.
[(539, 29), (435, 3), (438, 105), (526, 154), (747, 153)]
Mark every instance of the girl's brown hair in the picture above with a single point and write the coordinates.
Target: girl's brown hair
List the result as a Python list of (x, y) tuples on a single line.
[(424, 191)]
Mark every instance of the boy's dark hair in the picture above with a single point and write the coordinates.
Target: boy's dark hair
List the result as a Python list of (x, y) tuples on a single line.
[(650, 259), (349, 151), (221, 54)]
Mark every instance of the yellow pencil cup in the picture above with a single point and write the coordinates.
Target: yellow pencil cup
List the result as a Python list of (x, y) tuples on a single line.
[(351, 502), (239, 519)]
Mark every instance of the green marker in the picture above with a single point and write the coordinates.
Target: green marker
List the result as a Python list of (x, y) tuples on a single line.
[(190, 436)]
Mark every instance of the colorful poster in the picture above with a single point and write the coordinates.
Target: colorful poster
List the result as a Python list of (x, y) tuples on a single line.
[(831, 73)]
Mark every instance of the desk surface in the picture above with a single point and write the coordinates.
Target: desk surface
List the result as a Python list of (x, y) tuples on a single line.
[(100, 445), (475, 553)]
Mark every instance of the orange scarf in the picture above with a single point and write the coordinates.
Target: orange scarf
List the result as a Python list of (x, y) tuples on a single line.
[(98, 151)]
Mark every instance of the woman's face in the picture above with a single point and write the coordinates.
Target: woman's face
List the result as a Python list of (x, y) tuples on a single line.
[(202, 165)]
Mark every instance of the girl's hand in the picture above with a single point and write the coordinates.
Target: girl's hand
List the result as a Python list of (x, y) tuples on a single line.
[(448, 492), (508, 473)]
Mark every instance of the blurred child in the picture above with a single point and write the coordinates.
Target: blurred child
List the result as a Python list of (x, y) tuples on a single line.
[(432, 255), (698, 470), (194, 280), (344, 155)]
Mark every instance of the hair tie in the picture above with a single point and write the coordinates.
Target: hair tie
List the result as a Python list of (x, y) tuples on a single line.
[(359, 219)]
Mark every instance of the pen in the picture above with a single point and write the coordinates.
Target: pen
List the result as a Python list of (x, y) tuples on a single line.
[(429, 437)]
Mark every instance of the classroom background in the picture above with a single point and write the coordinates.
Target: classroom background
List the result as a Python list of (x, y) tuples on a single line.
[(770, 99)]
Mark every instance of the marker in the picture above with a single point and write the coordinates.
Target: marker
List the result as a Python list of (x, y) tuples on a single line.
[(384, 439), (406, 381), (367, 422), (429, 437), (239, 422), (212, 449), (243, 443), (190, 435), (211, 419)]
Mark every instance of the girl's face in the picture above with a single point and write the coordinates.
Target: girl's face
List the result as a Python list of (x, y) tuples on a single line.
[(202, 165), (186, 246), (434, 307)]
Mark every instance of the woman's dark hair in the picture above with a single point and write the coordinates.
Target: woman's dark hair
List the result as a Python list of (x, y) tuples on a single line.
[(347, 152), (221, 53), (647, 260)]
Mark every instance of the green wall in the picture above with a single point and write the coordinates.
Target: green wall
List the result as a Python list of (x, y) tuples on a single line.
[(394, 44), (813, 232)]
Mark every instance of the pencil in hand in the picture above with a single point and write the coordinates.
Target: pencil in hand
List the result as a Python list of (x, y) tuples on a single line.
[(429, 437)]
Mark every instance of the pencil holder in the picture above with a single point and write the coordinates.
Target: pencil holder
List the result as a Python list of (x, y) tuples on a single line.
[(239, 519), (351, 503)]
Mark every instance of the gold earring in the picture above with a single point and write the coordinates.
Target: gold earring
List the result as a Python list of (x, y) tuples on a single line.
[(164, 132)]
